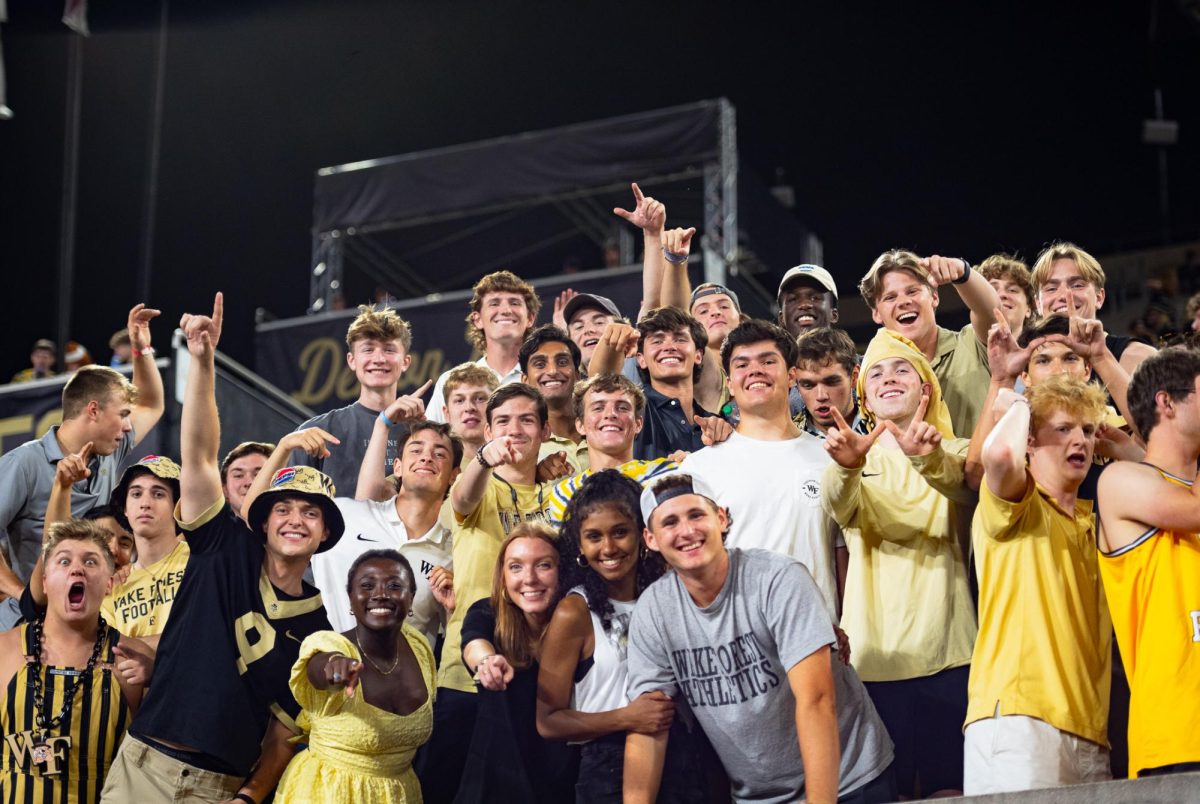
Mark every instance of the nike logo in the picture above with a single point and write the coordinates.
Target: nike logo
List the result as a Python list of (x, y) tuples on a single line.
[(864, 474), (288, 633), (362, 538)]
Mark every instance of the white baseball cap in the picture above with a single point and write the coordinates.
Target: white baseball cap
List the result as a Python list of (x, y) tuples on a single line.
[(652, 497), (813, 272)]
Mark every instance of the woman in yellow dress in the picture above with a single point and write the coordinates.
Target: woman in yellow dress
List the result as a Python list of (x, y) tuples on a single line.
[(367, 695)]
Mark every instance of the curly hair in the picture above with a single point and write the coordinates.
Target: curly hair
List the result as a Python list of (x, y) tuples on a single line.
[(606, 489)]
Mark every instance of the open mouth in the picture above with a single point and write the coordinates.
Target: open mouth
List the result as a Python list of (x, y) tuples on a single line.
[(670, 360), (805, 319), (891, 393), (904, 319), (757, 385), (534, 595), (381, 611), (1077, 460), (75, 595), (612, 563), (590, 343)]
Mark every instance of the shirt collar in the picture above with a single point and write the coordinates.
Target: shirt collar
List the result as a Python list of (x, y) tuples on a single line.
[(50, 444)]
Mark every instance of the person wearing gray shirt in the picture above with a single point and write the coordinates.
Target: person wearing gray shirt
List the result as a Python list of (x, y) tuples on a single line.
[(744, 637)]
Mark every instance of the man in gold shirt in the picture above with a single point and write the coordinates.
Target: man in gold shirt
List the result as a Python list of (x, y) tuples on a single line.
[(1038, 696), (1150, 563), (497, 490)]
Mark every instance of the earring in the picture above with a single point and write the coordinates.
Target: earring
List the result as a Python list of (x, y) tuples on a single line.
[(581, 561), (410, 613)]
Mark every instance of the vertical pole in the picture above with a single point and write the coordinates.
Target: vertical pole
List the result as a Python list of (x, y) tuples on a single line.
[(153, 157), (1164, 197), (70, 191)]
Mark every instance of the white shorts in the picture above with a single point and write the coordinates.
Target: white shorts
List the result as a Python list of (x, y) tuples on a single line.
[(1007, 753)]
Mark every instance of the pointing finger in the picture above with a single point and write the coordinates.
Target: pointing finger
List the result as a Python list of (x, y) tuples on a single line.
[(86, 452), (838, 421), (637, 192), (421, 391)]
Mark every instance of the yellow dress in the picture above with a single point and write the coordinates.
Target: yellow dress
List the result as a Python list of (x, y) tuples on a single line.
[(356, 751)]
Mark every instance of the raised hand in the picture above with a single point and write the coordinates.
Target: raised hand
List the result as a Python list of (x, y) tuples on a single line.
[(848, 448), (1006, 358), (441, 586), (312, 440), (621, 338), (342, 671), (920, 437), (139, 326), (943, 270), (494, 673), (559, 319), (648, 215), (500, 451), (73, 468), (408, 407), (678, 242), (649, 713), (554, 467), (713, 429), (1117, 445), (1085, 336), (204, 332)]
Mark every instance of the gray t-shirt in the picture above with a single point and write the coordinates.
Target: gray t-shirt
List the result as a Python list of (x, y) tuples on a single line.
[(730, 662), (26, 477), (352, 425)]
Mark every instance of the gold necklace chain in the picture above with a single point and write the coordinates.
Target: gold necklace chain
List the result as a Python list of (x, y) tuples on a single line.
[(366, 656)]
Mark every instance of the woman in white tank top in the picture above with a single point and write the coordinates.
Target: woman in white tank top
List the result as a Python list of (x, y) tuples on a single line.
[(581, 683)]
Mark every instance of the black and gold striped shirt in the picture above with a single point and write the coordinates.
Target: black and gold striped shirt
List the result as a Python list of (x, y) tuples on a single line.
[(80, 748)]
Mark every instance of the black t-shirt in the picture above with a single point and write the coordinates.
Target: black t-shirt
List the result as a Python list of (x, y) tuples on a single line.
[(226, 655), (508, 761)]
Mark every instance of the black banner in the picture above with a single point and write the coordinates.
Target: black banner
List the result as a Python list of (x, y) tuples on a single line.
[(306, 357)]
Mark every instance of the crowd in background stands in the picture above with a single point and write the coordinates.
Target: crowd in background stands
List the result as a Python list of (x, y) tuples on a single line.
[(682, 556)]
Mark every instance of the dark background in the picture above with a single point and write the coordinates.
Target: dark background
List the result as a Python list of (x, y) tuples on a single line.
[(961, 129)]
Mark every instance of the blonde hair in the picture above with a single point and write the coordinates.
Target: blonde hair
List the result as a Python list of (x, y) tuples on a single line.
[(1085, 400), (1089, 266), (97, 383), (80, 530), (378, 325), (516, 639), (499, 282), (1007, 267), (895, 260), (470, 374)]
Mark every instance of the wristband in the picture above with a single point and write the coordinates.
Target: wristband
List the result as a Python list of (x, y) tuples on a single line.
[(674, 259), (383, 418), (966, 274), (149, 350), (479, 456), (245, 798)]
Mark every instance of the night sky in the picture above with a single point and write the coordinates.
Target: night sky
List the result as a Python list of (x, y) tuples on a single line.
[(961, 129)]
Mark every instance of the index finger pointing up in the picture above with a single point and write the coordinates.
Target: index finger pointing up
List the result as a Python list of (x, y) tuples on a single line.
[(421, 391), (637, 192), (218, 313)]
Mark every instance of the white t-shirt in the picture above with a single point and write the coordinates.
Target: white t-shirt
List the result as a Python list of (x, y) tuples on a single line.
[(773, 492), (376, 526), (437, 399)]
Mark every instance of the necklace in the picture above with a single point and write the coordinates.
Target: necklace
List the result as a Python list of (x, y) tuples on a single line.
[(50, 751), (367, 656)]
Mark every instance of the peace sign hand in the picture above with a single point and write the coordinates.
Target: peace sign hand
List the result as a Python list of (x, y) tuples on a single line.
[(1006, 358), (920, 437), (848, 448)]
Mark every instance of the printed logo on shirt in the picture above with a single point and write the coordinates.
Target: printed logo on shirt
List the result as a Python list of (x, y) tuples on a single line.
[(140, 601), (510, 519), (362, 538), (811, 489), (726, 675)]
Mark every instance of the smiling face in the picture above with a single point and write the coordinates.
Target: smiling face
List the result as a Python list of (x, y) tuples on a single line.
[(893, 390), (240, 476), (687, 530), (1013, 302), (531, 575), (426, 464), (906, 305), (609, 422), (759, 377), (552, 370), (670, 356), (378, 364), (1060, 450), (381, 594), (609, 541), (503, 317), (464, 411), (805, 304), (824, 389), (718, 314), (150, 507), (518, 418), (295, 527), (585, 328), (1065, 284), (1054, 358), (76, 579)]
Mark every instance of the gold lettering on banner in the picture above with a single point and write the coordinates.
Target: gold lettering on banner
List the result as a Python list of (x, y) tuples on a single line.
[(16, 425), (249, 654), (320, 360), (48, 420), (427, 365)]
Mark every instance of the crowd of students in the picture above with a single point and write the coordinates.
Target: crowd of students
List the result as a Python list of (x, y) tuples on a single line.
[(688, 556)]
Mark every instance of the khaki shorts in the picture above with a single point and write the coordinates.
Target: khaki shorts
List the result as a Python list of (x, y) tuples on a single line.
[(143, 775), (1007, 753)]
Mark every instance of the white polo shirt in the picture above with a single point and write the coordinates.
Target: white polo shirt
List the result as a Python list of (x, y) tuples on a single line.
[(376, 526)]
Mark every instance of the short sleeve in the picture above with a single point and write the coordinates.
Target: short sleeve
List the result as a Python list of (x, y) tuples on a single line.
[(216, 529), (649, 665), (795, 613), (312, 700), (997, 518)]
